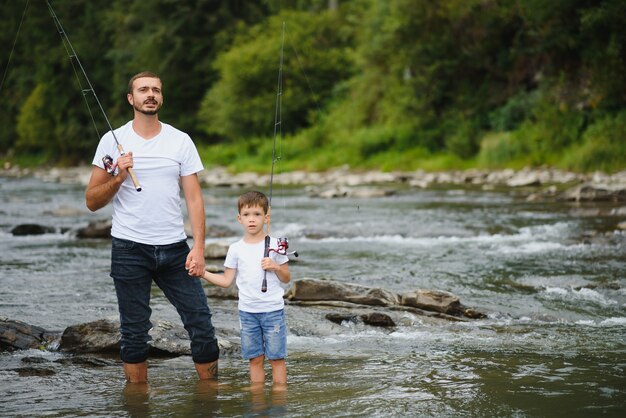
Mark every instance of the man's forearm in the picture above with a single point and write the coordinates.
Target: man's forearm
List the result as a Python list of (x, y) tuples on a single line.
[(99, 194)]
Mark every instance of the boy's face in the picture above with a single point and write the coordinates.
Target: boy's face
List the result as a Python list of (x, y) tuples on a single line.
[(252, 218)]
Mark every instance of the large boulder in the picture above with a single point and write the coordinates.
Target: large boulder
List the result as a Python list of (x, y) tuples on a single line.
[(327, 290), (423, 301)]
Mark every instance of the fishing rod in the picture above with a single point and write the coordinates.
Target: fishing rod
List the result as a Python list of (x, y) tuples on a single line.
[(283, 243), (107, 160)]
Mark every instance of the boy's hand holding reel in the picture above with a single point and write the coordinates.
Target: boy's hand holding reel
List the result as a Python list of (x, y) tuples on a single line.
[(283, 246)]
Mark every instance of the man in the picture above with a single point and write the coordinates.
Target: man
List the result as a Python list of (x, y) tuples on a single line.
[(148, 237)]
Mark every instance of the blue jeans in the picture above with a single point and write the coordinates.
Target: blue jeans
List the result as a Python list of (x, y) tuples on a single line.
[(133, 267), (263, 333)]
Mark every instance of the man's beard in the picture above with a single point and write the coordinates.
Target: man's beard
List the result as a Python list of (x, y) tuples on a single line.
[(147, 112)]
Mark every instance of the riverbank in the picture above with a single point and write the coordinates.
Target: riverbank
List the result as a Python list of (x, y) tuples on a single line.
[(344, 176)]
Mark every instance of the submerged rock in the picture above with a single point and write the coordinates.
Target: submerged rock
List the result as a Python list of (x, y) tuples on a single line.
[(32, 229)]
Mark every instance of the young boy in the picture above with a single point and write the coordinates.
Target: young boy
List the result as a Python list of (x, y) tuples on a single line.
[(261, 313)]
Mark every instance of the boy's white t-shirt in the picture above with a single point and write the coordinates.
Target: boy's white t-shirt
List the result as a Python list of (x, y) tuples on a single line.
[(153, 215), (246, 258)]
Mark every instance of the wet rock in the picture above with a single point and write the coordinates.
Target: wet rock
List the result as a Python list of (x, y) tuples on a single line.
[(18, 335), (473, 313), (100, 336), (96, 229), (320, 289), (422, 301), (339, 318), (433, 300), (378, 319), (32, 229)]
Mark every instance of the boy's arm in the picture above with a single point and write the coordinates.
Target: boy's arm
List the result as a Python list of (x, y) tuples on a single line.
[(221, 280), (281, 270)]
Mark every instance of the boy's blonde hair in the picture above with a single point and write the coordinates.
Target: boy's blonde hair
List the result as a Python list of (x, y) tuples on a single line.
[(253, 198)]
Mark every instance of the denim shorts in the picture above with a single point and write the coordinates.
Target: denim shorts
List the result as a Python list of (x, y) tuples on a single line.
[(263, 333), (133, 268)]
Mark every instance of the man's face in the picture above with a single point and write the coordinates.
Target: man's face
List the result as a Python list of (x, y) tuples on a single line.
[(147, 97)]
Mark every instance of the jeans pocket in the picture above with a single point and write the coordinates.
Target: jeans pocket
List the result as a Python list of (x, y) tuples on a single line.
[(122, 244)]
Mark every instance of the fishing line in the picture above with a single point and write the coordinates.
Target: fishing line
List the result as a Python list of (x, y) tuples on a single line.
[(6, 70), (306, 77), (278, 130), (74, 58)]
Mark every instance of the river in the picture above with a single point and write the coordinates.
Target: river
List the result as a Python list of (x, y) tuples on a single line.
[(551, 277)]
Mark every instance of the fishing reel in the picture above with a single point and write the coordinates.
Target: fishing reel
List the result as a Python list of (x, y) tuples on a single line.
[(107, 160), (283, 246)]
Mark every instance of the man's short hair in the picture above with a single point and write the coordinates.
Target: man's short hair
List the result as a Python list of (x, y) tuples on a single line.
[(253, 198), (142, 74)]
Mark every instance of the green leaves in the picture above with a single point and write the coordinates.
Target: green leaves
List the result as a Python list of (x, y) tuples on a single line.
[(365, 82)]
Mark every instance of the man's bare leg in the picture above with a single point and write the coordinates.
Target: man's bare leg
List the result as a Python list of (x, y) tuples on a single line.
[(136, 372), (207, 370)]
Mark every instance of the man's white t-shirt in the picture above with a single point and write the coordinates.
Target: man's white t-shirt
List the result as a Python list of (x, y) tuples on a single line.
[(246, 258), (153, 215)]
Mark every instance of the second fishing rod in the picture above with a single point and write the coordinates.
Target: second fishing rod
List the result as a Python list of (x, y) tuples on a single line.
[(107, 160)]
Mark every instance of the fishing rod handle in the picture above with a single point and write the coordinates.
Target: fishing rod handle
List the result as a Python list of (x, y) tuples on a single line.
[(266, 253), (130, 170)]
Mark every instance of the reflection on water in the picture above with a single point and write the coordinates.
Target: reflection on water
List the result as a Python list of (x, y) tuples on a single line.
[(554, 343)]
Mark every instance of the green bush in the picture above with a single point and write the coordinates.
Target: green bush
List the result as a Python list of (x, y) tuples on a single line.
[(603, 147), (34, 126)]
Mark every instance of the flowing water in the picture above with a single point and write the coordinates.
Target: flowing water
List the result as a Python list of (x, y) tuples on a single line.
[(551, 277)]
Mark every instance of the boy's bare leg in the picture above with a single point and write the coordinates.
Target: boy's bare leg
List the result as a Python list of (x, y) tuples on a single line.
[(207, 370), (279, 371), (257, 372), (136, 372)]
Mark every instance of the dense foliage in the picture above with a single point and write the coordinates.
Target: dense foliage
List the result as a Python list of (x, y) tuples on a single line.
[(398, 84)]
